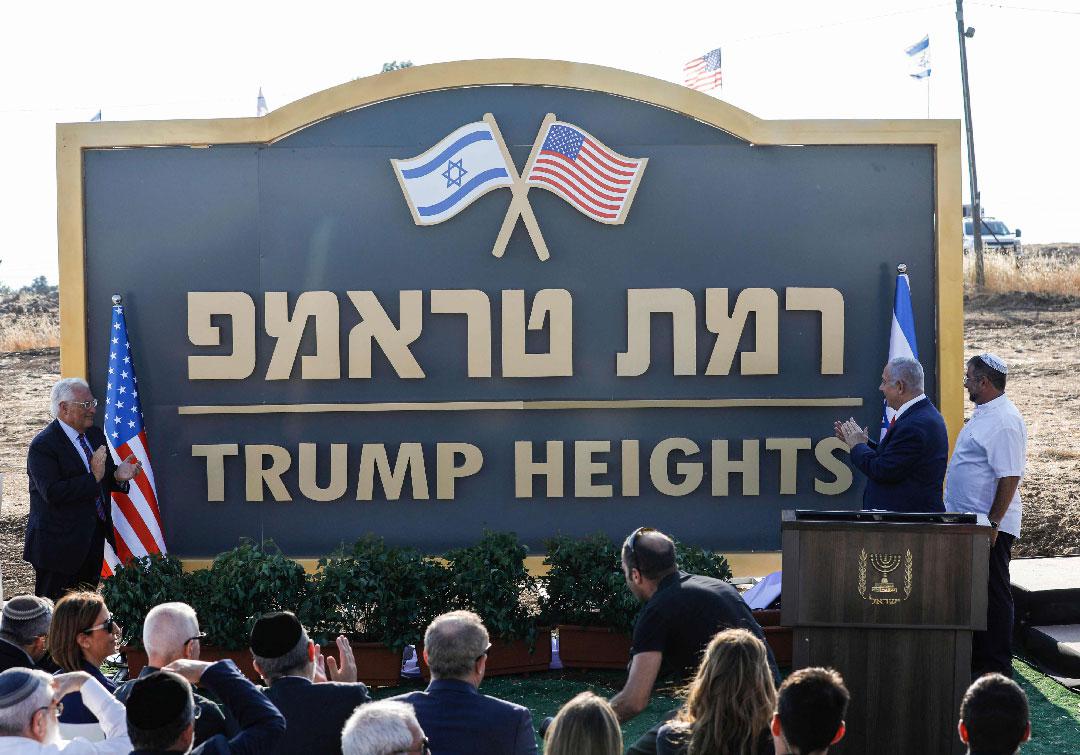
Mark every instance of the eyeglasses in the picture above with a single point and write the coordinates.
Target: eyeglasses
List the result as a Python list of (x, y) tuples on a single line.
[(632, 541), (200, 636), (110, 625), (483, 653), (91, 404), (971, 380), (55, 703), (423, 749)]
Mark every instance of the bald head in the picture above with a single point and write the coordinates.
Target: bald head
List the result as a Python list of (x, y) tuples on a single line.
[(167, 632), (651, 552)]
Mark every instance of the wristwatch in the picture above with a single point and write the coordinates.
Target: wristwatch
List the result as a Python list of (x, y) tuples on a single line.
[(993, 524)]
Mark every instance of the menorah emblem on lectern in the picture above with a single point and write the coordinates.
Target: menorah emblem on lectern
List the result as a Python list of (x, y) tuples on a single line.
[(885, 592), (884, 563)]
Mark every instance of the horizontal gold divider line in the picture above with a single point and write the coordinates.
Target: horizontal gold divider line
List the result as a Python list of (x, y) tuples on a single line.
[(473, 406)]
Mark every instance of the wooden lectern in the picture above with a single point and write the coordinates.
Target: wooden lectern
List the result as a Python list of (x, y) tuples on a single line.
[(890, 601)]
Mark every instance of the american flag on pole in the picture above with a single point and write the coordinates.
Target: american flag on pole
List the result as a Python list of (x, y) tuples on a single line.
[(598, 181), (136, 518), (902, 334), (704, 73)]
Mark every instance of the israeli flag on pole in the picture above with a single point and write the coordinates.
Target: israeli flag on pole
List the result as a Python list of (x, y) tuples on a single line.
[(444, 180), (902, 336), (920, 56)]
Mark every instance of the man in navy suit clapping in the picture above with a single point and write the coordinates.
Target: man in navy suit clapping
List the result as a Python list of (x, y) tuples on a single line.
[(906, 469)]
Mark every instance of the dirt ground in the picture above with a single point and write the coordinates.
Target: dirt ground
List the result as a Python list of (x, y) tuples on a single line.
[(1038, 336)]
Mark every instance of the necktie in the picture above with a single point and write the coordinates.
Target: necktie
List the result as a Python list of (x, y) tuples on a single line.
[(89, 455)]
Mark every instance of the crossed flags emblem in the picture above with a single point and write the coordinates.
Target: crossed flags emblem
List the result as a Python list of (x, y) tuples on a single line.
[(565, 160)]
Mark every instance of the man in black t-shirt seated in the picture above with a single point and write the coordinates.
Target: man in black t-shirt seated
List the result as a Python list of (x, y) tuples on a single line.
[(682, 612)]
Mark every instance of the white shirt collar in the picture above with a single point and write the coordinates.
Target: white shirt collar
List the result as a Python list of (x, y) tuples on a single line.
[(69, 431), (990, 405), (908, 404)]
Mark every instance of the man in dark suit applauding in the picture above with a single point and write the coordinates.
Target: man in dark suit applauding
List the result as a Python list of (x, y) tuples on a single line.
[(315, 707), (71, 479), (906, 469), (456, 718)]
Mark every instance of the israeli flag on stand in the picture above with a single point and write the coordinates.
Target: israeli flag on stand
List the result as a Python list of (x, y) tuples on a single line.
[(444, 180), (902, 337)]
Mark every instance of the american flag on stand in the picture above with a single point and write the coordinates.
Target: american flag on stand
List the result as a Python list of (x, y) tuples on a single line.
[(704, 73), (595, 179), (136, 518)]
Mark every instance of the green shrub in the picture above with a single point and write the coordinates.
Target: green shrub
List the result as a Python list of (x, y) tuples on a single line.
[(696, 560), (136, 588), (243, 584), (490, 578), (378, 594), (585, 585)]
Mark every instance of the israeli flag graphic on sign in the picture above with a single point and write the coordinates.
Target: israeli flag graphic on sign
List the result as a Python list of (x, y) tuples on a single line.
[(444, 180)]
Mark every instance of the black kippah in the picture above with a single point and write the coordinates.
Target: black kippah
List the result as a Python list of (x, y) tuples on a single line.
[(275, 634), (157, 700)]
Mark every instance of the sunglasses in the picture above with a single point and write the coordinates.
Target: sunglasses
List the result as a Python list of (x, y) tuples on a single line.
[(200, 637), (488, 648), (109, 625)]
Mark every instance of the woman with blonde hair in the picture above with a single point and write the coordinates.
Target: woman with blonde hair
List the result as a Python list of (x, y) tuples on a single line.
[(584, 726), (82, 635), (729, 704)]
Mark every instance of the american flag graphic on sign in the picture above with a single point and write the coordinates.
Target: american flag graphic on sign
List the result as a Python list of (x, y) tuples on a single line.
[(136, 518), (704, 73), (595, 179)]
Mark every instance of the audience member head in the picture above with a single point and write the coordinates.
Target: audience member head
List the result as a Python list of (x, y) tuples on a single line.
[(171, 631), (456, 646), (384, 727), (810, 711), (994, 716), (25, 623), (161, 712), (732, 697), (27, 706), (584, 726), (82, 629), (985, 377), (281, 647), (648, 556)]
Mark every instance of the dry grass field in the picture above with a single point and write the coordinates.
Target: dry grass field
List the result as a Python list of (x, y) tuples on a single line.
[(1029, 313)]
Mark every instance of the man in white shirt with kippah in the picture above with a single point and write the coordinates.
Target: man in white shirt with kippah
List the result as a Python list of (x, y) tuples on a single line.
[(984, 478)]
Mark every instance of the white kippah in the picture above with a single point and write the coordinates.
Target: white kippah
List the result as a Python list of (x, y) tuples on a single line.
[(994, 362)]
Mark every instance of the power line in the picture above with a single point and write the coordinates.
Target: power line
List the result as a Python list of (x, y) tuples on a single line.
[(1028, 10)]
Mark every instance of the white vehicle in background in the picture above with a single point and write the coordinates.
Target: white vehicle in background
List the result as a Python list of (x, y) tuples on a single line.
[(996, 235)]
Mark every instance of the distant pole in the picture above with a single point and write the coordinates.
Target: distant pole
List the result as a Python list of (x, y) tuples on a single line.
[(976, 209)]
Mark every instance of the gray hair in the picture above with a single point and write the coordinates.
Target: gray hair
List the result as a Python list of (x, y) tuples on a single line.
[(454, 642), (64, 390), (379, 728), (25, 618), (294, 663), (167, 628), (15, 718), (909, 370)]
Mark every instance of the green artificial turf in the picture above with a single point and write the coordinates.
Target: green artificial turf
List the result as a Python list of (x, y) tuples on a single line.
[(1055, 711)]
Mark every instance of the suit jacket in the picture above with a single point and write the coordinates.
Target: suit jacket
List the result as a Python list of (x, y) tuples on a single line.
[(906, 470), (314, 713), (260, 723), (458, 720), (63, 523)]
